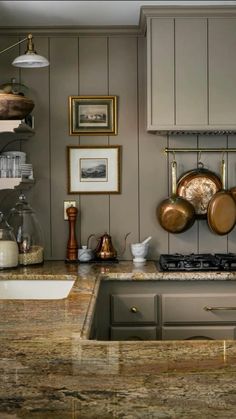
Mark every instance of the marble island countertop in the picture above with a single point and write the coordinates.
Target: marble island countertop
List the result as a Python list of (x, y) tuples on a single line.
[(50, 370)]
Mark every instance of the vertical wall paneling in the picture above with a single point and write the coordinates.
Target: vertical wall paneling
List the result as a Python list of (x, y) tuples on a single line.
[(7, 70), (191, 70), (186, 242), (93, 80), (63, 83), (37, 147), (103, 65), (152, 169), (209, 241), (123, 82)]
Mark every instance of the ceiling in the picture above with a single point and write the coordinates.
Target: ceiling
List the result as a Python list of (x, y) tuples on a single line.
[(81, 13)]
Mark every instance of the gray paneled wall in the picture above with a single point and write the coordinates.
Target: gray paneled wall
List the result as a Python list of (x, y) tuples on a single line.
[(106, 65)]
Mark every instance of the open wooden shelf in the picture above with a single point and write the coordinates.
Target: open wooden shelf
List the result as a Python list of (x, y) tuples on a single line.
[(15, 129)]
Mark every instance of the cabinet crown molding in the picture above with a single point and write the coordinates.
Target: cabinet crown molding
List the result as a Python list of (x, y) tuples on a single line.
[(148, 12)]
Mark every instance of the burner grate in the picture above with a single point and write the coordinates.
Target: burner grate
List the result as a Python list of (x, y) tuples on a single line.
[(227, 261)]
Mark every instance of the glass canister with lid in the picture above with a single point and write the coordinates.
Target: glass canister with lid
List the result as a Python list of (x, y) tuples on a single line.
[(27, 231), (8, 245)]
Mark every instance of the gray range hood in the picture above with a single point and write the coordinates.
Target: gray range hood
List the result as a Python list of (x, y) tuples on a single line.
[(191, 67)]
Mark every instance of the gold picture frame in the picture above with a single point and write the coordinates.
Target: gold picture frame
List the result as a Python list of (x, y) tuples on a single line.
[(93, 170), (93, 115)]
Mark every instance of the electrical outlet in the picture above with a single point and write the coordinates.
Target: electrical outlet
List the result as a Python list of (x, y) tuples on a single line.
[(68, 204)]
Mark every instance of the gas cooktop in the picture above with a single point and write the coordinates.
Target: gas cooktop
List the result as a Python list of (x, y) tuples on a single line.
[(198, 262)]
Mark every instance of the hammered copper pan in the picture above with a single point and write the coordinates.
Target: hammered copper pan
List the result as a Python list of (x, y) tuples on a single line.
[(221, 212), (233, 192), (198, 186), (175, 214)]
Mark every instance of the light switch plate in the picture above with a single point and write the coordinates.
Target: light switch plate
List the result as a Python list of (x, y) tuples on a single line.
[(68, 204)]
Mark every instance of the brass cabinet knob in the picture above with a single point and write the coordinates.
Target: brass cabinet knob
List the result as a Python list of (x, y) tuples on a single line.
[(133, 309)]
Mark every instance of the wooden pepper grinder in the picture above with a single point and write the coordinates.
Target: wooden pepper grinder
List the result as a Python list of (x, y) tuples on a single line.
[(72, 245)]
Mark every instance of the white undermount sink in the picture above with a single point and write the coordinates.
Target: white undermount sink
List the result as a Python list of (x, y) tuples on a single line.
[(35, 289)]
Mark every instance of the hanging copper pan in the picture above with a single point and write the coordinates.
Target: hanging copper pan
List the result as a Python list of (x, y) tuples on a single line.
[(233, 192), (198, 186), (221, 212), (175, 214)]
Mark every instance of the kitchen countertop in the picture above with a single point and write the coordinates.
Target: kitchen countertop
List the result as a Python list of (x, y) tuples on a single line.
[(49, 369)]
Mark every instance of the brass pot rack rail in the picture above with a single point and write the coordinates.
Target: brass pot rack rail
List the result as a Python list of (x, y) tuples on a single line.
[(200, 150)]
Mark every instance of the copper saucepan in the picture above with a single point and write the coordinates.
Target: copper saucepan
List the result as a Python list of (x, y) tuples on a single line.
[(198, 186), (221, 212), (175, 214)]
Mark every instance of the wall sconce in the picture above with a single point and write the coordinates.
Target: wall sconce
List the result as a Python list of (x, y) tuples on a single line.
[(30, 59)]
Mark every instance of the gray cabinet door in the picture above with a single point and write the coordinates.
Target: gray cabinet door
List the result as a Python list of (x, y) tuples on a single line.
[(134, 333), (198, 332), (190, 308), (134, 308)]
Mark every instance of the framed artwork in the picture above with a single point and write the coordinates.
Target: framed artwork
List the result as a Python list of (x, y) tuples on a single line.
[(93, 115), (93, 169)]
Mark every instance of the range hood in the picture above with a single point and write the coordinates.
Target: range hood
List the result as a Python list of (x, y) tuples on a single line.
[(191, 67)]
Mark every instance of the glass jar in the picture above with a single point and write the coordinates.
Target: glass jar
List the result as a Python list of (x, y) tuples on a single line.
[(27, 231), (8, 245), (14, 87)]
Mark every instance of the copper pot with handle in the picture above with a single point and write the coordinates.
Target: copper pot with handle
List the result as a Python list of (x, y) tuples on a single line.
[(221, 211), (175, 214)]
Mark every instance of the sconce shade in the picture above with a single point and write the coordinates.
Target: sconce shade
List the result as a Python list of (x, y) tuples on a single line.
[(30, 61)]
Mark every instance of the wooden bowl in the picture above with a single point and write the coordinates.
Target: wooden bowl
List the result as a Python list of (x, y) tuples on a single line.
[(14, 106)]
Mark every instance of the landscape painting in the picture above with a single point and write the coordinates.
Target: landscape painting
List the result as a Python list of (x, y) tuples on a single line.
[(93, 115), (93, 170)]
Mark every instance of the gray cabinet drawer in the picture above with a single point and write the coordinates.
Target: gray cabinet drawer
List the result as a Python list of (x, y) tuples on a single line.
[(134, 308), (134, 333), (198, 332), (189, 308)]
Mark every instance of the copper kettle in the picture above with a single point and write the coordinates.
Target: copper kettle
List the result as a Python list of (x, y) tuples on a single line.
[(105, 249)]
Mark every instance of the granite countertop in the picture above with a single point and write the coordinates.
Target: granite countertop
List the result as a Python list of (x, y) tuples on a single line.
[(49, 369)]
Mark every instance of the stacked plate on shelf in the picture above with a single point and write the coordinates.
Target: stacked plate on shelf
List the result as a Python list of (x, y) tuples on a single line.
[(26, 170)]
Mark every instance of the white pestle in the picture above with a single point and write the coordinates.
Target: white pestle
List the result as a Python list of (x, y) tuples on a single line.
[(146, 240)]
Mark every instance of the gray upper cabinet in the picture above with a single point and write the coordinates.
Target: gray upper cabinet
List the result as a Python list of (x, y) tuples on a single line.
[(191, 69)]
